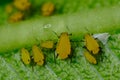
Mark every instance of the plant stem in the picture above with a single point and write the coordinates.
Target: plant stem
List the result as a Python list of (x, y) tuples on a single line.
[(27, 33)]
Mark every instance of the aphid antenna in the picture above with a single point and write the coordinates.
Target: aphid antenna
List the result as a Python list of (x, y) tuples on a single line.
[(55, 34), (69, 33), (35, 38), (88, 31)]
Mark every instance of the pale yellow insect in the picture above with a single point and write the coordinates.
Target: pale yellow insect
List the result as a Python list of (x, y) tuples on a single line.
[(22, 4), (18, 16), (91, 44), (47, 44), (38, 55), (9, 8), (89, 57), (25, 56), (48, 8), (63, 48)]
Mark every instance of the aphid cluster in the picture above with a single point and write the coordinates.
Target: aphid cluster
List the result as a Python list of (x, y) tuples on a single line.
[(92, 49), (17, 10), (62, 50), (37, 56), (21, 9)]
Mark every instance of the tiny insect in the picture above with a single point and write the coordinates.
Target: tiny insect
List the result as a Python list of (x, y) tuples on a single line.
[(89, 57), (47, 9), (63, 48), (47, 44), (91, 44), (38, 56), (22, 4), (9, 8), (25, 56), (18, 16)]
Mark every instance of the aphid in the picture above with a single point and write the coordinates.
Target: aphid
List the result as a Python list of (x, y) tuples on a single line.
[(47, 44), (25, 56), (91, 44), (22, 4), (47, 9), (89, 57), (9, 8), (38, 56), (63, 48), (18, 16)]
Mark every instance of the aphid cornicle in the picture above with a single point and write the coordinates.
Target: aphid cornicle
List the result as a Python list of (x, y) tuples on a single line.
[(91, 44), (25, 56), (89, 57), (63, 48), (38, 56), (47, 44)]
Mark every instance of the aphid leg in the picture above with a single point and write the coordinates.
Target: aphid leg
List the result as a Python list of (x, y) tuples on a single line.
[(32, 63), (72, 56), (23, 62), (102, 55), (55, 57), (45, 62)]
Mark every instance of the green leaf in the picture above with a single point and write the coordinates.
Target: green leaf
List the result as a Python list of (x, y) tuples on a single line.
[(79, 16)]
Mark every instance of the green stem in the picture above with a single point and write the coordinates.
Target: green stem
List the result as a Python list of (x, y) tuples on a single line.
[(27, 33)]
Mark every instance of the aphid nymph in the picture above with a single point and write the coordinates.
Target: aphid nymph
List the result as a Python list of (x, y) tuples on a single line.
[(47, 44), (48, 8), (25, 56), (63, 48), (91, 44), (38, 56), (90, 57)]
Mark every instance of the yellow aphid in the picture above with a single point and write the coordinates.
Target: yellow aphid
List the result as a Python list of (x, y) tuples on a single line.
[(25, 56), (18, 16), (47, 44), (9, 8), (22, 4), (89, 57), (63, 48), (38, 55), (91, 44), (48, 9)]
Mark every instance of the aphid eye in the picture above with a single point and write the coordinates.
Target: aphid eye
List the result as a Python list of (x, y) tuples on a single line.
[(28, 59)]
